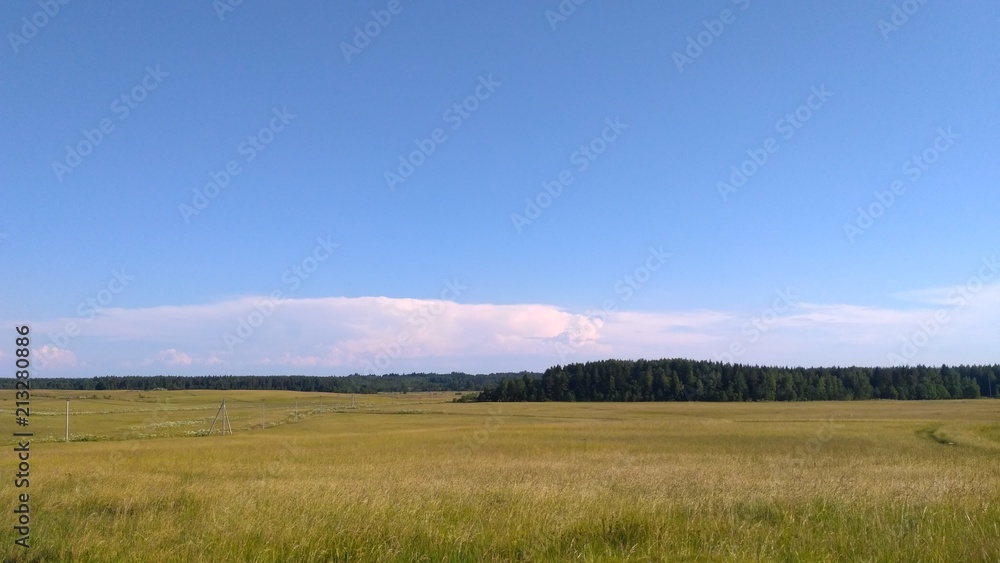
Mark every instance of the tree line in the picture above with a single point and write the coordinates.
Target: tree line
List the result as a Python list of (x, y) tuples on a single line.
[(356, 383), (688, 380)]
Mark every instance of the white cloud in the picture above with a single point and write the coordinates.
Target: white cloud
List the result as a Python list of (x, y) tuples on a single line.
[(172, 357), (381, 334), (51, 357)]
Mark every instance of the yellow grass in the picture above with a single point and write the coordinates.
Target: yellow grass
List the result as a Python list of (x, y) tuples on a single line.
[(415, 477)]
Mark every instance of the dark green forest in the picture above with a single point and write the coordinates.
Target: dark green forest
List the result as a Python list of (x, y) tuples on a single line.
[(687, 380), (607, 380), (391, 383)]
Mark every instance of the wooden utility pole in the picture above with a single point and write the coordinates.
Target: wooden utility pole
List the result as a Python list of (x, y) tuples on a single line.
[(225, 419)]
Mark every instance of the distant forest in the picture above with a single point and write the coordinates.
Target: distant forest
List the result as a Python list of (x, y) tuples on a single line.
[(686, 380), (608, 380), (391, 383)]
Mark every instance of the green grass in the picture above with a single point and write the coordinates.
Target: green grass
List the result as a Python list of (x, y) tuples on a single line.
[(415, 477)]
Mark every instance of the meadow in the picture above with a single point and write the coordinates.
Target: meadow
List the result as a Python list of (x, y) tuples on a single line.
[(416, 477)]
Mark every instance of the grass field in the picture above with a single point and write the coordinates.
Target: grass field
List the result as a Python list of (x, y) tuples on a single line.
[(418, 478)]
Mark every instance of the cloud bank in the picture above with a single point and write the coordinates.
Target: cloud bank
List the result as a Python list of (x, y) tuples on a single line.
[(342, 335)]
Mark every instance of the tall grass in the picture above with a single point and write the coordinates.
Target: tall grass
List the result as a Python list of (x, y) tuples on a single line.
[(414, 478)]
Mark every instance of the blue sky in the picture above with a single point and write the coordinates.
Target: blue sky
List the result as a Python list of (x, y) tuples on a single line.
[(193, 187)]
